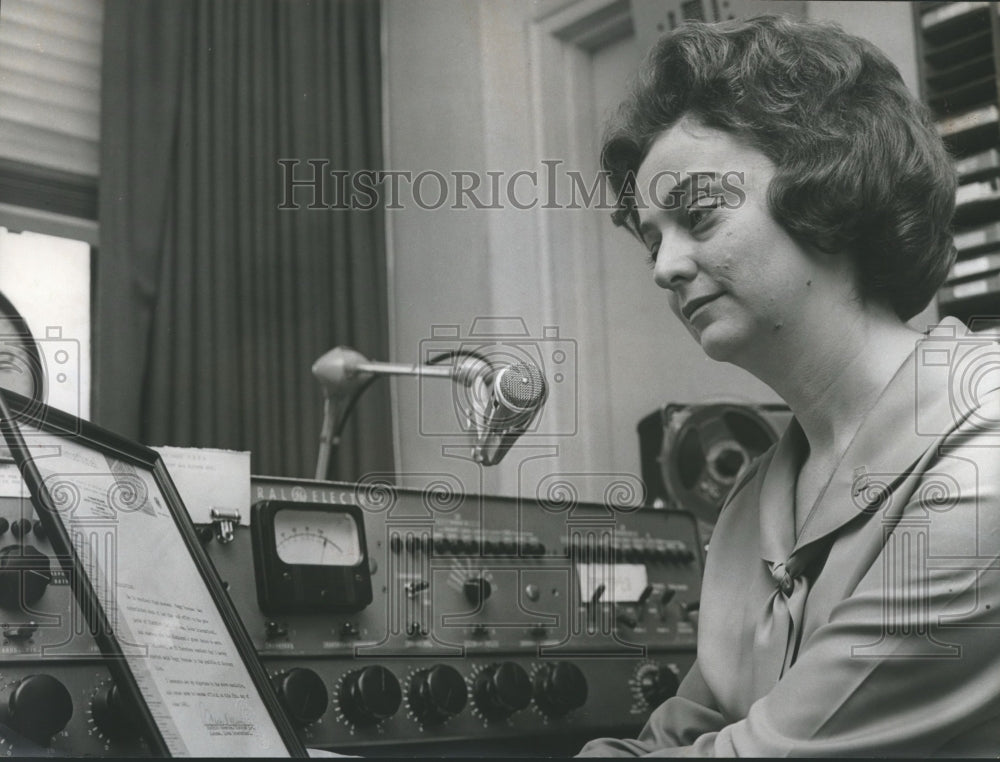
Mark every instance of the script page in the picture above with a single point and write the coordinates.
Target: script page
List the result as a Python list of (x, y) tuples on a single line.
[(161, 611)]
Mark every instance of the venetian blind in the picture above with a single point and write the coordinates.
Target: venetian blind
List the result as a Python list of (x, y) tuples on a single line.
[(50, 72)]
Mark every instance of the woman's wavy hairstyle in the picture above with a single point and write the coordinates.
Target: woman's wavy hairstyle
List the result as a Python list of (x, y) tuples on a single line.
[(860, 167)]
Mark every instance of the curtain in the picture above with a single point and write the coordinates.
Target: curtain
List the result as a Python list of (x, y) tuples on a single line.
[(212, 302)]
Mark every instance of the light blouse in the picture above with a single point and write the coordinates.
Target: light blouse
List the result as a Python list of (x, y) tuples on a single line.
[(876, 630)]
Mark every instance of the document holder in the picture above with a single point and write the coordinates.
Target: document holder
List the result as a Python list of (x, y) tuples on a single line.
[(171, 638)]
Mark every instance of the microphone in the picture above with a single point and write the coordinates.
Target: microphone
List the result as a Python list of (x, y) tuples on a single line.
[(504, 400), (505, 403)]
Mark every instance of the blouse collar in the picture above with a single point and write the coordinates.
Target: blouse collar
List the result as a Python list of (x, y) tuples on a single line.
[(913, 411)]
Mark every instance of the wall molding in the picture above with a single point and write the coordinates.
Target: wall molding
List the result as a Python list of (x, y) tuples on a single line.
[(591, 25), (563, 42)]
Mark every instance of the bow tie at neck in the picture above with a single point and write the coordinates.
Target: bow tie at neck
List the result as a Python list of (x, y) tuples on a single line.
[(779, 626), (782, 578)]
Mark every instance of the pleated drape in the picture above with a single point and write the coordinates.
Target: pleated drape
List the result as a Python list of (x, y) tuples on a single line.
[(212, 303)]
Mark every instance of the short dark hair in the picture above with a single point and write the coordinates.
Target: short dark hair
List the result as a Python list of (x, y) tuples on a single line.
[(859, 164)]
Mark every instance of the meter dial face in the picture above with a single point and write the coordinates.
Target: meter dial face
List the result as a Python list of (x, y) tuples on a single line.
[(317, 538)]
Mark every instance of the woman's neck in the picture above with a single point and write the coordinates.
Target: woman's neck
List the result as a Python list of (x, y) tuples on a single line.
[(831, 375)]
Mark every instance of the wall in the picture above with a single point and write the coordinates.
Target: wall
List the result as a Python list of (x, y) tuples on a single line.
[(455, 84), (888, 25)]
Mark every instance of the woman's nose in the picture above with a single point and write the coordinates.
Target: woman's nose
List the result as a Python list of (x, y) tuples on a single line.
[(674, 265)]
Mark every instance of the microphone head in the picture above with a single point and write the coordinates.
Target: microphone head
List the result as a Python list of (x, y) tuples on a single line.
[(337, 370), (520, 387), (503, 406)]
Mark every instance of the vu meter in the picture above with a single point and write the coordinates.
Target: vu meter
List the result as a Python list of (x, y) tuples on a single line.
[(309, 558)]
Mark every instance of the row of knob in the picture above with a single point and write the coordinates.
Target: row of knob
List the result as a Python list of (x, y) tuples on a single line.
[(22, 527), (25, 572), (462, 546), (370, 695), (637, 551), (663, 552), (40, 706)]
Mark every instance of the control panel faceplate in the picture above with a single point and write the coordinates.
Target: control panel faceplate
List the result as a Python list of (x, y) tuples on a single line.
[(490, 619)]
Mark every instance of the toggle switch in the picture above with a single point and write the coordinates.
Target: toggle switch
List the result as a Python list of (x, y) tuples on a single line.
[(274, 630), (19, 632), (413, 589), (626, 619)]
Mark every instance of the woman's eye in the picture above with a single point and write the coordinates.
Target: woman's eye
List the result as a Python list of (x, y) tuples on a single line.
[(701, 209), (651, 252)]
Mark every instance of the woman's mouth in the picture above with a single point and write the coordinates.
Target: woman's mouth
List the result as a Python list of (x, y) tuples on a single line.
[(693, 305)]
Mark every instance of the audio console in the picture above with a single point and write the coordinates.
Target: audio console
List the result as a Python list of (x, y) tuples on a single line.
[(391, 621)]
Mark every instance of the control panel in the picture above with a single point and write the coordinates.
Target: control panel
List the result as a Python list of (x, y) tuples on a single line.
[(56, 694), (392, 621)]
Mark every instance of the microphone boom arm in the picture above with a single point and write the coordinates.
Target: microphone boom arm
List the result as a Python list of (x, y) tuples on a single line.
[(342, 371)]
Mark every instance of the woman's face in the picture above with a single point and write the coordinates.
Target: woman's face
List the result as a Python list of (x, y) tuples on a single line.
[(737, 280)]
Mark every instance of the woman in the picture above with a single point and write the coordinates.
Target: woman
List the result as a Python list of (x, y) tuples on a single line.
[(795, 200)]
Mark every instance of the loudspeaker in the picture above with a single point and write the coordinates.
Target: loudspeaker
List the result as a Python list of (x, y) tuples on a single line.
[(692, 455)]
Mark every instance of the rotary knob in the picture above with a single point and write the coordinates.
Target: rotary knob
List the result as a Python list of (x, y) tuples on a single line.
[(370, 695), (436, 694), (502, 689), (559, 687), (477, 589), (303, 694), (114, 716), (657, 683), (20, 528), (38, 707), (25, 572)]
